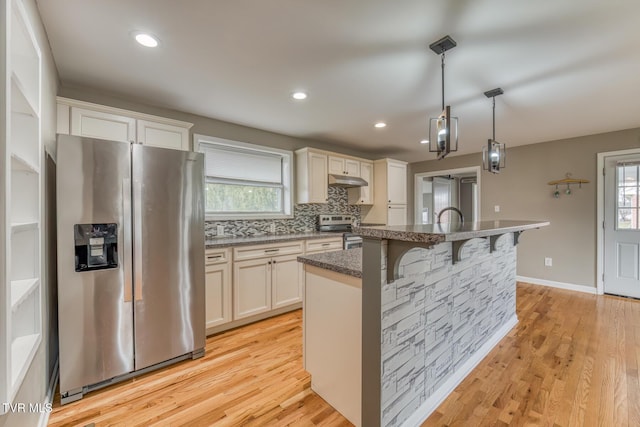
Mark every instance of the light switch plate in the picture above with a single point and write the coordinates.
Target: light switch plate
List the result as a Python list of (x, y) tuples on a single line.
[(496, 208), (548, 262), (220, 230)]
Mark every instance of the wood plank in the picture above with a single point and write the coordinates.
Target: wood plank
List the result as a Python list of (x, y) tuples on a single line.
[(572, 360)]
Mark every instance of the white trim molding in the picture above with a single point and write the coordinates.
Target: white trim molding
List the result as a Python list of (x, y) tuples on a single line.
[(51, 392), (432, 403), (560, 285)]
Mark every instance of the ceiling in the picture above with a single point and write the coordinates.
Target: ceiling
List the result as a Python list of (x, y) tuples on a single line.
[(568, 68)]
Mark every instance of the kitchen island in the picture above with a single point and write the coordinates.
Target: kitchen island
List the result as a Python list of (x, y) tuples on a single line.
[(431, 302)]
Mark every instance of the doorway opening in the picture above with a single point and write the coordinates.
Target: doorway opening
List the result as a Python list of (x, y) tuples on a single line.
[(436, 190)]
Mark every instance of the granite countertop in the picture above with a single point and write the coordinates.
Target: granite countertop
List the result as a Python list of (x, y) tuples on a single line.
[(224, 242), (447, 232), (347, 262)]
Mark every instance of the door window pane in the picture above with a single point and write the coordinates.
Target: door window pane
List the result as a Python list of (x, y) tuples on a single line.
[(627, 203)]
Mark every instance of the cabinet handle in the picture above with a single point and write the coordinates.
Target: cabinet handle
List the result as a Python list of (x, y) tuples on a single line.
[(389, 207), (274, 261), (326, 244), (269, 262), (271, 251), (214, 257), (389, 201)]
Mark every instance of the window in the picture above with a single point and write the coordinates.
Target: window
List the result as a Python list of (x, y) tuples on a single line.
[(245, 180), (628, 188)]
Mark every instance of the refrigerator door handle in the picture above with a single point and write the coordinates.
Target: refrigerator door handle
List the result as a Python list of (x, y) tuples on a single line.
[(126, 247), (137, 240)]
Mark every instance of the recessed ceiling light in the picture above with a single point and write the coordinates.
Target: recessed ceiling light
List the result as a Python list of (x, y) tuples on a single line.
[(146, 40), (299, 95), (424, 141), (380, 125)]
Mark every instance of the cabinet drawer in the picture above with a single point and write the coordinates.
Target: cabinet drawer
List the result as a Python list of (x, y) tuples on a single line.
[(217, 256), (269, 250), (332, 244)]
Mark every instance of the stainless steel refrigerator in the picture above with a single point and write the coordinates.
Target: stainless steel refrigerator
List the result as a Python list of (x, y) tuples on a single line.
[(130, 222)]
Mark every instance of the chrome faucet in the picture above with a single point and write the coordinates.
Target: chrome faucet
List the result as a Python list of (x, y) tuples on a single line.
[(451, 208)]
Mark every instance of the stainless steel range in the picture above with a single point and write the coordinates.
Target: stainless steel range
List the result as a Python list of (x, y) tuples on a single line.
[(328, 222)]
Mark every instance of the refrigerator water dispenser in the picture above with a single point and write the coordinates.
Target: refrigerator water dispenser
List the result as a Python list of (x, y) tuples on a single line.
[(96, 246)]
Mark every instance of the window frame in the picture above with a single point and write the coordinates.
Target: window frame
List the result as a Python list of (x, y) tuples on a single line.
[(287, 177)]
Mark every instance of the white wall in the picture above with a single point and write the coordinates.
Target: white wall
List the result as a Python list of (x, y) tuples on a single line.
[(35, 385)]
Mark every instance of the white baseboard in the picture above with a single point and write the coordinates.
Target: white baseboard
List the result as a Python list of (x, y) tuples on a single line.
[(432, 403), (51, 391), (559, 285)]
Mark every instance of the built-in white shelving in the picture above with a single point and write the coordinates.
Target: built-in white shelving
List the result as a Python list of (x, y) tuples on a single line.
[(21, 290), (21, 259)]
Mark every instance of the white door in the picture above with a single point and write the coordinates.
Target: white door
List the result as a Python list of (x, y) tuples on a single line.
[(366, 193), (318, 183), (352, 167), (217, 294), (251, 287), (622, 226), (397, 215), (163, 135), (96, 124), (336, 165), (397, 183), (286, 281)]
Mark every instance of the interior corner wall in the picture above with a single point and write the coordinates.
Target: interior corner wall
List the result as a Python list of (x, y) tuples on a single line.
[(522, 192), (36, 382)]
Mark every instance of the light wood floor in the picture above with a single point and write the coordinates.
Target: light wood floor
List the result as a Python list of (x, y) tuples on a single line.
[(572, 360)]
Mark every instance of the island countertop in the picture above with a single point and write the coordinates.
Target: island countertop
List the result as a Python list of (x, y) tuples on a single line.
[(447, 232), (347, 262)]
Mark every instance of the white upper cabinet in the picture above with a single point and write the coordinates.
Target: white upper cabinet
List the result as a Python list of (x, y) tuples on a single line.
[(99, 121), (98, 124), (363, 195), (311, 176), (344, 166), (163, 135), (396, 182), (390, 196)]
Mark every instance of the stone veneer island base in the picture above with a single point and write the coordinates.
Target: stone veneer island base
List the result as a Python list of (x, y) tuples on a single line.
[(434, 301)]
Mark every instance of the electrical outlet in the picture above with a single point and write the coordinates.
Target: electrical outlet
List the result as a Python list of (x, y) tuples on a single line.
[(496, 208), (220, 230), (272, 228), (548, 262)]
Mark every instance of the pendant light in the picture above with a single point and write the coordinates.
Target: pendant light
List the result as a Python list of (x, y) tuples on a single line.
[(494, 155), (443, 130)]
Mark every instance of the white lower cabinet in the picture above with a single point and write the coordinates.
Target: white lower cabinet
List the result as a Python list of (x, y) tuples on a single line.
[(265, 278), (286, 281), (251, 287), (218, 287)]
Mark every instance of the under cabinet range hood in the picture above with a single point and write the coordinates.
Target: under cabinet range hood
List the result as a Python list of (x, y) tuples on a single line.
[(346, 181)]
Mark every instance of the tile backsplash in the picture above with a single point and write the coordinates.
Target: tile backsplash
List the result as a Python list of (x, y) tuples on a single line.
[(304, 218)]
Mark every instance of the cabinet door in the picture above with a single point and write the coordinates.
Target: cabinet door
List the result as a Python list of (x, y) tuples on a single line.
[(251, 287), (397, 215), (163, 135), (336, 165), (218, 294), (366, 193), (352, 167), (96, 124), (397, 183), (286, 281), (318, 178)]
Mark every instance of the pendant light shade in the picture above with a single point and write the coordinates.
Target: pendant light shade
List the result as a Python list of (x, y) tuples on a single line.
[(494, 155), (443, 130)]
